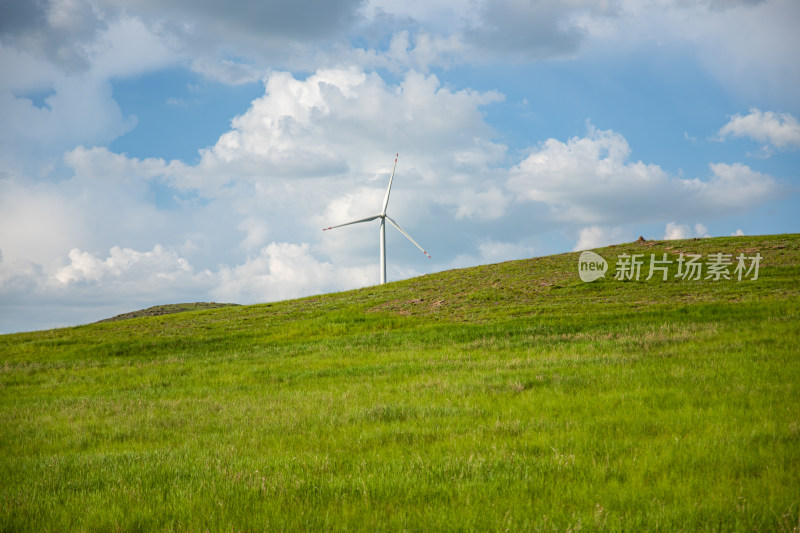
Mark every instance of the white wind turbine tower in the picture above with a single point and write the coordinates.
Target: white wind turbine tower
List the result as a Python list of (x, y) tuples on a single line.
[(384, 217)]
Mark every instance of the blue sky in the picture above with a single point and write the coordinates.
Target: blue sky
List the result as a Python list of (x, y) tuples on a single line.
[(166, 152)]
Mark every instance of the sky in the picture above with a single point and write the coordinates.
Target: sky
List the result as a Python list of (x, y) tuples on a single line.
[(161, 152)]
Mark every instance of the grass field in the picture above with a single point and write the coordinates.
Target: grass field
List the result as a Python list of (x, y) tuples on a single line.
[(503, 397)]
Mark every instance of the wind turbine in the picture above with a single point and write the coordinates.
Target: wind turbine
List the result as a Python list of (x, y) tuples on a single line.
[(384, 217)]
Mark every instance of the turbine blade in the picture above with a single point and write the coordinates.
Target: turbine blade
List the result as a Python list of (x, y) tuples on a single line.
[(388, 189), (401, 230), (353, 222)]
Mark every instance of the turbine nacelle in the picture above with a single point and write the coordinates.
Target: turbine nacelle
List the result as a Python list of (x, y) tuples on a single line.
[(384, 217)]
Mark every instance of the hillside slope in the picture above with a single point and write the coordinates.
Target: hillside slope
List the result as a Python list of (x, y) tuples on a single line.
[(168, 309), (504, 396)]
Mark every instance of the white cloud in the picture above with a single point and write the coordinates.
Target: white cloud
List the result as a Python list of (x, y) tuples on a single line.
[(355, 113), (591, 180), (73, 68), (19, 277), (778, 130), (279, 271), (496, 251), (81, 110), (596, 237), (128, 47), (285, 270), (90, 286), (158, 266), (581, 180), (675, 231), (733, 187), (737, 233), (701, 231), (93, 283), (35, 221), (487, 205), (100, 165)]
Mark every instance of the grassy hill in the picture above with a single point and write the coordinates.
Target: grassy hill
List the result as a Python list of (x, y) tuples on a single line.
[(503, 397), (167, 309)]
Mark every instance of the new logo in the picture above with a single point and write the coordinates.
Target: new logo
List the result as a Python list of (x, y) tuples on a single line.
[(591, 266)]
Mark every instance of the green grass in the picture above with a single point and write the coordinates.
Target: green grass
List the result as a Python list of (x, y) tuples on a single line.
[(503, 397), (167, 309)]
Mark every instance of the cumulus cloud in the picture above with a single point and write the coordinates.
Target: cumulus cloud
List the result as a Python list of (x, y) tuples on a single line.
[(778, 130), (733, 188), (285, 270), (675, 231), (124, 265), (95, 282), (592, 180), (276, 136), (99, 165), (582, 179), (89, 286), (596, 237), (278, 271)]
